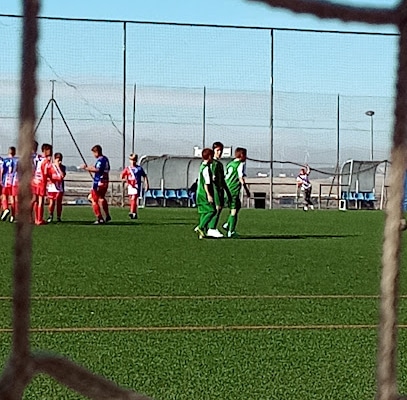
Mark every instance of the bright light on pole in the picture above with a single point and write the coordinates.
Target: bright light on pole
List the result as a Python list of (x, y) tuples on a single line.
[(370, 114)]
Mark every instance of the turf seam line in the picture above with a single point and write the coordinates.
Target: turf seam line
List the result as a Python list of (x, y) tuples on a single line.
[(204, 297), (199, 328)]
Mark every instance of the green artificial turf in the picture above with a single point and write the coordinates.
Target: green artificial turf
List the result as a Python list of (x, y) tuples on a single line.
[(310, 279)]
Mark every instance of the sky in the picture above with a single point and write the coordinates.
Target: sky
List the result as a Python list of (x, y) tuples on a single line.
[(228, 12), (310, 70)]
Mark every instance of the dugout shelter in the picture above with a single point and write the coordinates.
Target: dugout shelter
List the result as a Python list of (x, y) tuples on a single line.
[(170, 177), (358, 184)]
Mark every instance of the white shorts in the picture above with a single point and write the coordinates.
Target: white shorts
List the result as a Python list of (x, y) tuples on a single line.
[(51, 188), (131, 190)]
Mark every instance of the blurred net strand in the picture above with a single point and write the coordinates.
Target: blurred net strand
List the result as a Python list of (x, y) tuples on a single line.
[(22, 365), (325, 9), (386, 370)]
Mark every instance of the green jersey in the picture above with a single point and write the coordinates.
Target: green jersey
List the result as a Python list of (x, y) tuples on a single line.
[(218, 174), (234, 171), (205, 178)]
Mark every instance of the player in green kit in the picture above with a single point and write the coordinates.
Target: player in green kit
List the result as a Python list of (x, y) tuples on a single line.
[(204, 193), (219, 189), (235, 179)]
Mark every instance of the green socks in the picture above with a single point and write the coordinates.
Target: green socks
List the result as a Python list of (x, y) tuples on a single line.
[(213, 223), (232, 221)]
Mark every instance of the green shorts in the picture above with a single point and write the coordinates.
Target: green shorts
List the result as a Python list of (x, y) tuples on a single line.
[(205, 208), (235, 203), (219, 197)]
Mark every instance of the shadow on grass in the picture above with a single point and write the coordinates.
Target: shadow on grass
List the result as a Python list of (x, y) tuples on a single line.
[(292, 237), (122, 223)]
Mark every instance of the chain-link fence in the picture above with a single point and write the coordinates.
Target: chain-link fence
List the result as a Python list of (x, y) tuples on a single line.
[(289, 96)]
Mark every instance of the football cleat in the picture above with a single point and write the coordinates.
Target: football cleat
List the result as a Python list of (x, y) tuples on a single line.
[(214, 233), (232, 235), (200, 232), (5, 214)]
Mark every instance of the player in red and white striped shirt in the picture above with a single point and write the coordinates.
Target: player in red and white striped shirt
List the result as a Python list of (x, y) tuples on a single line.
[(134, 175), (55, 187), (39, 183)]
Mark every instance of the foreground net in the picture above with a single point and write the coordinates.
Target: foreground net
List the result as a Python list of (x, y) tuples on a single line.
[(23, 365)]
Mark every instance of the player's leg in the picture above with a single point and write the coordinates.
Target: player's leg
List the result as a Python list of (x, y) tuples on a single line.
[(60, 196), (213, 223), (133, 198), (96, 207), (4, 204), (14, 205), (304, 200), (34, 203), (51, 206), (206, 218), (309, 200), (40, 208), (133, 206), (198, 229), (206, 212), (14, 196), (12, 208), (103, 203), (232, 220), (205, 215)]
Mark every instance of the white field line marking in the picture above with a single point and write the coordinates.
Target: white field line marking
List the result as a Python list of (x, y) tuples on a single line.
[(205, 297), (198, 328)]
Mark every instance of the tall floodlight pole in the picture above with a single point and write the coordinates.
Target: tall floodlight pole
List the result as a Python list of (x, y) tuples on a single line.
[(370, 114), (338, 130), (124, 94), (134, 119), (338, 139), (204, 119), (271, 172)]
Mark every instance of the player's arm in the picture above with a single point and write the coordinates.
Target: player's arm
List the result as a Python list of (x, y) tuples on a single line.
[(146, 183), (208, 193), (90, 168), (62, 168), (245, 187), (123, 174), (242, 178), (224, 185), (207, 183)]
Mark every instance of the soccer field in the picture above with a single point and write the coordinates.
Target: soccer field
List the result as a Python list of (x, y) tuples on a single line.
[(288, 310)]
